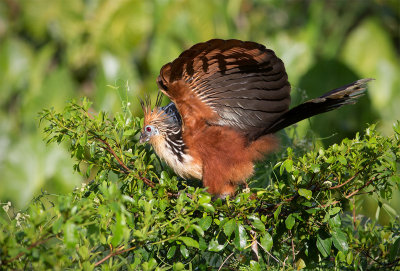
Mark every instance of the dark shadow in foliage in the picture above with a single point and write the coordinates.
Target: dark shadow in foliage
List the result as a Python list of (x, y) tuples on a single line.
[(329, 74)]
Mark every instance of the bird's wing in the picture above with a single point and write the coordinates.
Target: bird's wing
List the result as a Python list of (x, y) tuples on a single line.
[(231, 83)]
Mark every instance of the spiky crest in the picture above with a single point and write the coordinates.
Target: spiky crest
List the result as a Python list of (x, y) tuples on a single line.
[(155, 116)]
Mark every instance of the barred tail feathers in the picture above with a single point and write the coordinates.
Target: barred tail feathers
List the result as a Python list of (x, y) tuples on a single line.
[(331, 100)]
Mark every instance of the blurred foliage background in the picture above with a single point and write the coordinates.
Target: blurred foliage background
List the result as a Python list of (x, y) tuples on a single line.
[(54, 51)]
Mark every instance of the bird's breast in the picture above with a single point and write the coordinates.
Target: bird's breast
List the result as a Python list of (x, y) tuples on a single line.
[(182, 163)]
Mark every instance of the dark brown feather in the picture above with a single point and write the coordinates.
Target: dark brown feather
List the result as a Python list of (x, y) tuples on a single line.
[(237, 84)]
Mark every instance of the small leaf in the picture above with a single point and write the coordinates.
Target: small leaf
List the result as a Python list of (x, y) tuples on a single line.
[(342, 160), (300, 264), (83, 140), (286, 165), (277, 212), (205, 222), (178, 266), (324, 243), (349, 258), (258, 224), (171, 252), (208, 207), (204, 198), (71, 237), (240, 240), (184, 251), (255, 266), (305, 193), (229, 227), (57, 225), (394, 251), (315, 168), (339, 239), (335, 221), (334, 211), (266, 241), (289, 222), (197, 228), (215, 246), (331, 159), (190, 242)]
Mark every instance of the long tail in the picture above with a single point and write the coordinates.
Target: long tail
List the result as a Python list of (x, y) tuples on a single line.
[(333, 99)]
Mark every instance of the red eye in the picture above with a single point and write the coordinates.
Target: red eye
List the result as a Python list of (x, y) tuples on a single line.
[(148, 129)]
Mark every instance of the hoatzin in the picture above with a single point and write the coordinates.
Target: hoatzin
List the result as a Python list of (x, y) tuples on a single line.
[(228, 99)]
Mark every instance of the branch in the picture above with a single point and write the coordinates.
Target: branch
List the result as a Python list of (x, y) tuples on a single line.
[(128, 170), (122, 164), (37, 243), (112, 254), (110, 150)]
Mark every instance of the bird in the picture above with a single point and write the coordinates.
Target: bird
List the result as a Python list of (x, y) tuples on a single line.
[(228, 99)]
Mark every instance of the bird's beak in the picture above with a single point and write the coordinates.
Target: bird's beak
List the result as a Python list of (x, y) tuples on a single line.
[(143, 138)]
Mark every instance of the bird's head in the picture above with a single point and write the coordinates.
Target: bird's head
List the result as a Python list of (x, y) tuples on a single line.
[(154, 121)]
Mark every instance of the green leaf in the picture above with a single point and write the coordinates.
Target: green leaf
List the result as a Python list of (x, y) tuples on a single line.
[(305, 193), (266, 241), (205, 222), (258, 224), (190, 242), (394, 251), (335, 221), (277, 212), (215, 246), (286, 165), (315, 168), (57, 225), (229, 227), (197, 228), (83, 140), (324, 243), (184, 251), (171, 252), (334, 211), (240, 240), (300, 264), (339, 239), (289, 222), (83, 252), (349, 258), (255, 266), (71, 237), (342, 160), (204, 198), (208, 207), (178, 266), (331, 159), (118, 230)]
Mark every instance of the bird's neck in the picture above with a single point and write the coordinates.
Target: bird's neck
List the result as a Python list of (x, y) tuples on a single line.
[(172, 149)]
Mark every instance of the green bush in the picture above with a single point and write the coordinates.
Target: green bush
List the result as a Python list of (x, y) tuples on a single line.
[(135, 214)]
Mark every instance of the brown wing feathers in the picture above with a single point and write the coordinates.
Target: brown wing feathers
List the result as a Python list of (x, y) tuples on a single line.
[(237, 84)]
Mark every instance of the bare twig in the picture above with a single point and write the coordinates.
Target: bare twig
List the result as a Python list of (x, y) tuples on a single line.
[(37, 243), (272, 256), (346, 182), (110, 150), (223, 263), (112, 254), (122, 164), (294, 255)]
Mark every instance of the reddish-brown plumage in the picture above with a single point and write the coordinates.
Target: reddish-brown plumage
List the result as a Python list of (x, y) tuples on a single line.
[(230, 97)]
